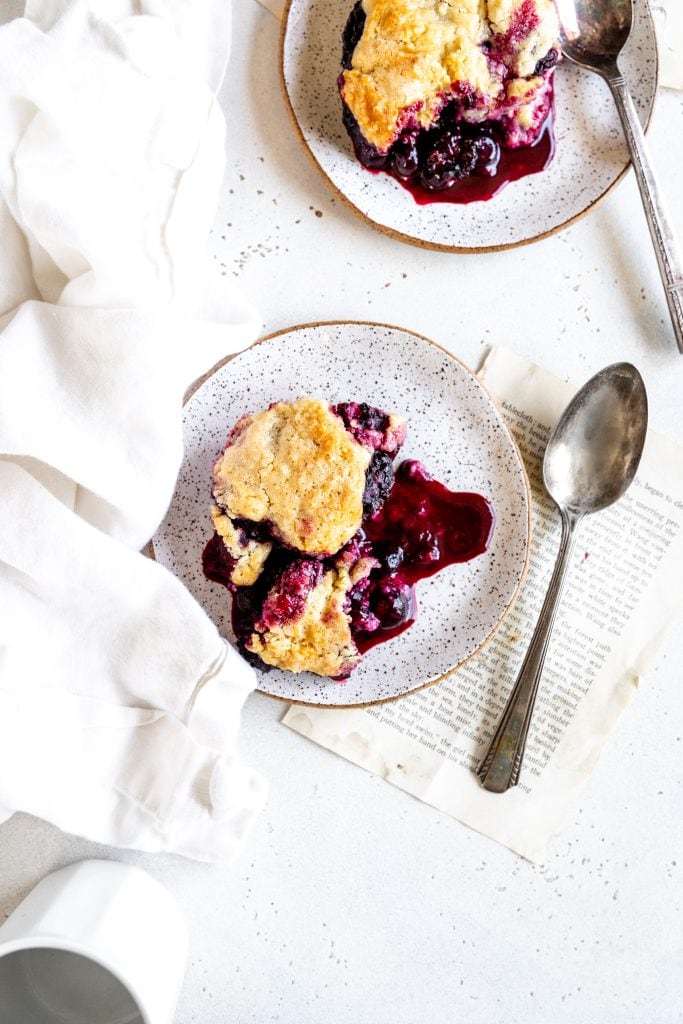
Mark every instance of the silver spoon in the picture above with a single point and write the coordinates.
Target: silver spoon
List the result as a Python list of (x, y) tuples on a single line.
[(591, 458), (593, 33)]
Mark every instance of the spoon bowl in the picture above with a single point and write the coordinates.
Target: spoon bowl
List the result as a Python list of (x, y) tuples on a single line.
[(594, 32), (593, 452), (590, 460)]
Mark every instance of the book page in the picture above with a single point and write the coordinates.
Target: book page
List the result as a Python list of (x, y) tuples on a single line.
[(622, 593)]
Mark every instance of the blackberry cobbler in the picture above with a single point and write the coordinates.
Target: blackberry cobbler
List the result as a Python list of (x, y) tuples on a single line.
[(440, 94), (320, 542)]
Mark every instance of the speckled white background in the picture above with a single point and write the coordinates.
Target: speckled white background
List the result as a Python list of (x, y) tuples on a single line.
[(354, 903)]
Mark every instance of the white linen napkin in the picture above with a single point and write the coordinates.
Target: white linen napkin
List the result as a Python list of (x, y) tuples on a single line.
[(119, 702)]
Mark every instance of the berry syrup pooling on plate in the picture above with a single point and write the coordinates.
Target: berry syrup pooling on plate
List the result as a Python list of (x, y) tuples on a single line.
[(295, 604), (421, 528)]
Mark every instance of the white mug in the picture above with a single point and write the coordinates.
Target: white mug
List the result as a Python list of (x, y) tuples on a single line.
[(97, 942)]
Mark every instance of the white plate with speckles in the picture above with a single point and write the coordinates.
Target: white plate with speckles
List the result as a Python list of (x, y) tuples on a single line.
[(454, 428), (591, 153)]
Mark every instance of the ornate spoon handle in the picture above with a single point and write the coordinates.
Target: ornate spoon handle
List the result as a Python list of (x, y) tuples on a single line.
[(501, 764), (666, 251)]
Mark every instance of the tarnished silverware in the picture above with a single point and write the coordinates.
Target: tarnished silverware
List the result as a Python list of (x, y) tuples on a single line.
[(593, 34), (591, 458)]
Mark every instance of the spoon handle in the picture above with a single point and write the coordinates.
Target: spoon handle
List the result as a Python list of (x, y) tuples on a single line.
[(666, 251), (501, 764)]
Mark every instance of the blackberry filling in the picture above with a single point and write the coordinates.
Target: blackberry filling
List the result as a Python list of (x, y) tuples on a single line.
[(298, 605), (420, 529), (478, 136), (379, 479), (548, 62), (370, 426), (353, 30)]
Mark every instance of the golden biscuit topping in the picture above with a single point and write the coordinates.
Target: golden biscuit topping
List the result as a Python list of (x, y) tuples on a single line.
[(319, 640), (296, 467), (249, 555), (415, 54)]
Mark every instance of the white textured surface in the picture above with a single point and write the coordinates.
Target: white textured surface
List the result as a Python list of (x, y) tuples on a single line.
[(355, 903)]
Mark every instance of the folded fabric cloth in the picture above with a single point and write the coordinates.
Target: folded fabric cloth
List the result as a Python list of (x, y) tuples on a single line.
[(119, 702)]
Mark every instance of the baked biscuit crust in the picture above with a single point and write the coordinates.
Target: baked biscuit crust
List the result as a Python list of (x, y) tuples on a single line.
[(416, 55), (249, 554), (318, 639), (292, 489), (295, 467)]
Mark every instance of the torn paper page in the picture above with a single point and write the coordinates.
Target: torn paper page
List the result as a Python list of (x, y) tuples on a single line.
[(622, 594)]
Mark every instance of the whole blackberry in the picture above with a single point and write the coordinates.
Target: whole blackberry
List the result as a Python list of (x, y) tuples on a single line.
[(546, 63), (379, 479), (353, 30)]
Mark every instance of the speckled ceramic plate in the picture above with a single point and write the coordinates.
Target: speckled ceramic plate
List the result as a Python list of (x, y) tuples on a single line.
[(591, 153), (453, 427)]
